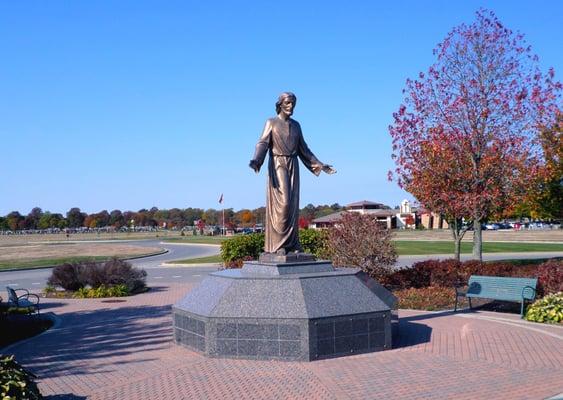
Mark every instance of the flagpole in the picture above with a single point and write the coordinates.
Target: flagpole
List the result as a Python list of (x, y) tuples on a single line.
[(223, 220)]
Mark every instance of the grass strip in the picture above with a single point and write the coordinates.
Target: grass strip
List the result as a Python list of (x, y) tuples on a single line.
[(415, 247), (216, 259), (197, 239)]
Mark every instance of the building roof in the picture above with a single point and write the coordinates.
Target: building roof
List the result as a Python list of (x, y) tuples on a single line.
[(366, 204), (335, 217)]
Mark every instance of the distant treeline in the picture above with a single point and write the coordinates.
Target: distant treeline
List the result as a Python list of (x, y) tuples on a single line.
[(174, 218)]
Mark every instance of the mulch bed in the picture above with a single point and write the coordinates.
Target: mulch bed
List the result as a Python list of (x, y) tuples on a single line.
[(15, 327)]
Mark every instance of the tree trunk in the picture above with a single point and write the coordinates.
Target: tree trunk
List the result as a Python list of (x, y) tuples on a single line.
[(457, 247), (458, 231), (477, 240)]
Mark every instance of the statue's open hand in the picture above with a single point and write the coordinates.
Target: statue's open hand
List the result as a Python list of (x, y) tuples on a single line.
[(254, 165), (328, 169)]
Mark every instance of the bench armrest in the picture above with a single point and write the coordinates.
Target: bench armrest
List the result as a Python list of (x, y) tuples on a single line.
[(33, 295), (524, 290), (27, 297)]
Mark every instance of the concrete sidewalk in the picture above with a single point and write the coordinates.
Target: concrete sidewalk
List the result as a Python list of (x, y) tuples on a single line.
[(123, 350)]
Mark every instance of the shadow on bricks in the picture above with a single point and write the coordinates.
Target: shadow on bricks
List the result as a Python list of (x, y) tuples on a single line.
[(100, 335), (49, 305), (411, 334), (66, 396)]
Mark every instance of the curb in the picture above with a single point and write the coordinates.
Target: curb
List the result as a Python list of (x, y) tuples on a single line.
[(172, 264), (191, 244)]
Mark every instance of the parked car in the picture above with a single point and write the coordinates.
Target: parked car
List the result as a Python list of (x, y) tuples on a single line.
[(491, 227)]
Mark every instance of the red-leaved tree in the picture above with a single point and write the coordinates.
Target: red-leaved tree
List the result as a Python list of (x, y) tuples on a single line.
[(465, 139)]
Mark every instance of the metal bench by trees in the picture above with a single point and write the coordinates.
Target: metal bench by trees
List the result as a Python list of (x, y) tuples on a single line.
[(499, 288), (26, 300)]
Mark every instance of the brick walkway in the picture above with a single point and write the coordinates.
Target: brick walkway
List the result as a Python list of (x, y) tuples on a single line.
[(124, 350)]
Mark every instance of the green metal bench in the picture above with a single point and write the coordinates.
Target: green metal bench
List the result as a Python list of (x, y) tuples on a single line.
[(518, 290), (26, 300)]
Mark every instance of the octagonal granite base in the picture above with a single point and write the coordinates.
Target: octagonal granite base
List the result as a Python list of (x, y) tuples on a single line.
[(286, 311)]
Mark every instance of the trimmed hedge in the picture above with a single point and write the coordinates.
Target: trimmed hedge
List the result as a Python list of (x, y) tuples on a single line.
[(550, 277), (314, 242), (431, 298), (241, 248), (447, 273)]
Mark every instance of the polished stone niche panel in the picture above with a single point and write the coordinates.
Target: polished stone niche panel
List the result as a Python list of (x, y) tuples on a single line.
[(248, 339), (189, 331), (300, 311), (352, 334)]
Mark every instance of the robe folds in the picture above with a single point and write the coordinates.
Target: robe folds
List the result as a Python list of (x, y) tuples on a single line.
[(284, 141)]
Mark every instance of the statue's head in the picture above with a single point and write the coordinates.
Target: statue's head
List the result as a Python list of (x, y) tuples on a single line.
[(283, 97)]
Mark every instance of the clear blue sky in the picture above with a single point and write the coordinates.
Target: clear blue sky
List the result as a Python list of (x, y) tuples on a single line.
[(134, 104)]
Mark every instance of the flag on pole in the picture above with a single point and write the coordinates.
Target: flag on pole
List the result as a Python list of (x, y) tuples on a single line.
[(221, 199)]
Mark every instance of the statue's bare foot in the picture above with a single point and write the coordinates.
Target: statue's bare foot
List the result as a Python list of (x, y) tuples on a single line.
[(281, 252)]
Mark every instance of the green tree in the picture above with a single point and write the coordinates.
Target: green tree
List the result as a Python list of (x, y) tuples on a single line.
[(75, 217)]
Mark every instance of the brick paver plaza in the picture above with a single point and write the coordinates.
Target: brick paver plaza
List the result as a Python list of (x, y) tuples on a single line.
[(124, 350)]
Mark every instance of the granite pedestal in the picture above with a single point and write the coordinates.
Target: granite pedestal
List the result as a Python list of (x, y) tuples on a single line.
[(303, 310)]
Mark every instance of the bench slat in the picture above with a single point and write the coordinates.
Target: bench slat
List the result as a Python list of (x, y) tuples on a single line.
[(500, 288)]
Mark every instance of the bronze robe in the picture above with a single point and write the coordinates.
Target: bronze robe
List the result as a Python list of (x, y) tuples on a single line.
[(285, 142)]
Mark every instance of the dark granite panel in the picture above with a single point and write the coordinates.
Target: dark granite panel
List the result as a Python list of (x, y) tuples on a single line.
[(190, 339), (248, 347), (198, 342), (361, 343), (343, 344), (360, 325), (290, 332), (376, 324), (376, 339), (259, 348), (226, 331), (255, 331), (227, 347), (343, 328), (271, 331), (290, 349), (200, 328), (325, 330), (191, 325), (325, 347), (269, 348)]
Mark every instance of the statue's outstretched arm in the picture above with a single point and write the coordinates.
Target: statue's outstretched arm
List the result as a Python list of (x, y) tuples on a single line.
[(261, 147)]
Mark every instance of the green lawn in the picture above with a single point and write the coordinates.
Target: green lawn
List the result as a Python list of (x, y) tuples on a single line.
[(201, 260), (415, 247), (431, 247)]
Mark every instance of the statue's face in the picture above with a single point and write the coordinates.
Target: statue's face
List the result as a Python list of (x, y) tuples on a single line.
[(287, 106)]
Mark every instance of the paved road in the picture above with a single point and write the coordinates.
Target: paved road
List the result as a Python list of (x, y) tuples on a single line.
[(157, 273), (36, 279)]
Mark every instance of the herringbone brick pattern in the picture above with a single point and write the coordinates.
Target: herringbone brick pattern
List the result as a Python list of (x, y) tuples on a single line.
[(124, 350)]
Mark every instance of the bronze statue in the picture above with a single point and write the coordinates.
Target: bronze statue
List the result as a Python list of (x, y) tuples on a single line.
[(282, 136)]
